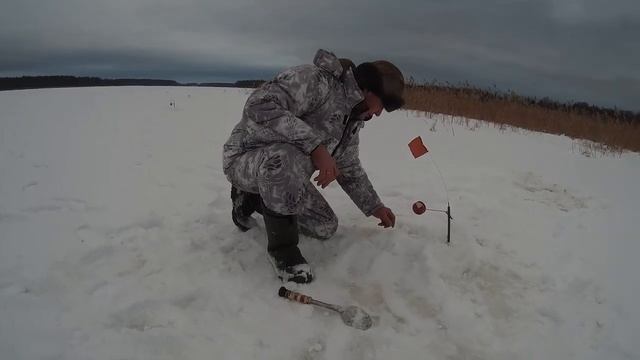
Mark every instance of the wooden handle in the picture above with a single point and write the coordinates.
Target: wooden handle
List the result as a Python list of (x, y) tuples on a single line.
[(294, 296)]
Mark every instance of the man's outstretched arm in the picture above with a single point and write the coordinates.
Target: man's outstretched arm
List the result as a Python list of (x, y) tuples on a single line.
[(355, 182)]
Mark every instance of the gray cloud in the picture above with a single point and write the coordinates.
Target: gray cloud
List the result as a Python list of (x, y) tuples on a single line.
[(567, 49)]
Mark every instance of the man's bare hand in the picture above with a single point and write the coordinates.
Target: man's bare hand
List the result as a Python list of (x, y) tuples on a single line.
[(323, 161), (386, 217)]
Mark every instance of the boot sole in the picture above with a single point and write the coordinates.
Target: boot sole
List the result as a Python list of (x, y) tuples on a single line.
[(296, 278), (244, 225)]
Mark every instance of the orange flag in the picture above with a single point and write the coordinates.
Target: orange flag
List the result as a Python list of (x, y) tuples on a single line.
[(417, 147)]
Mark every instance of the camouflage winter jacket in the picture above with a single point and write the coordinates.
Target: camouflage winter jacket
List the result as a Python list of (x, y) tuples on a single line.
[(308, 105)]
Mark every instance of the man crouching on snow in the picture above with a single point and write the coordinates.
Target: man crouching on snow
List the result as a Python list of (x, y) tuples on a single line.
[(307, 118)]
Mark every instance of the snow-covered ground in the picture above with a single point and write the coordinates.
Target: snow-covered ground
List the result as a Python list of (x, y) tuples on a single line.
[(116, 241)]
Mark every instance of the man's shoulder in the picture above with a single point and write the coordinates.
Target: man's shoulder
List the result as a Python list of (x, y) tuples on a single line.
[(304, 69), (306, 73)]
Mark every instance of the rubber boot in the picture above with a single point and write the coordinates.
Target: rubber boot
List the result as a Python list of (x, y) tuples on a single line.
[(244, 204), (282, 247)]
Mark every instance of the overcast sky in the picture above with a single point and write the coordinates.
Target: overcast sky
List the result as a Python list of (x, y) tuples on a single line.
[(582, 50)]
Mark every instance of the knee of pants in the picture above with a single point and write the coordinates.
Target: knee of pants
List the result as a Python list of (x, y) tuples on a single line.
[(321, 231), (328, 230), (283, 175)]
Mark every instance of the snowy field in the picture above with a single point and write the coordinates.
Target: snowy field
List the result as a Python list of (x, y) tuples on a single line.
[(116, 241)]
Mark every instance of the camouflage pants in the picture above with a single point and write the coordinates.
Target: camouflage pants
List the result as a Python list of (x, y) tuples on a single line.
[(281, 174)]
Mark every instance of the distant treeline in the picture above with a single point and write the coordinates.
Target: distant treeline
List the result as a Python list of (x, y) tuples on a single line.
[(38, 82)]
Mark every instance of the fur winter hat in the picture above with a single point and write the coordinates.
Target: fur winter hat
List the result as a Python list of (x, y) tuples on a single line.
[(383, 79)]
